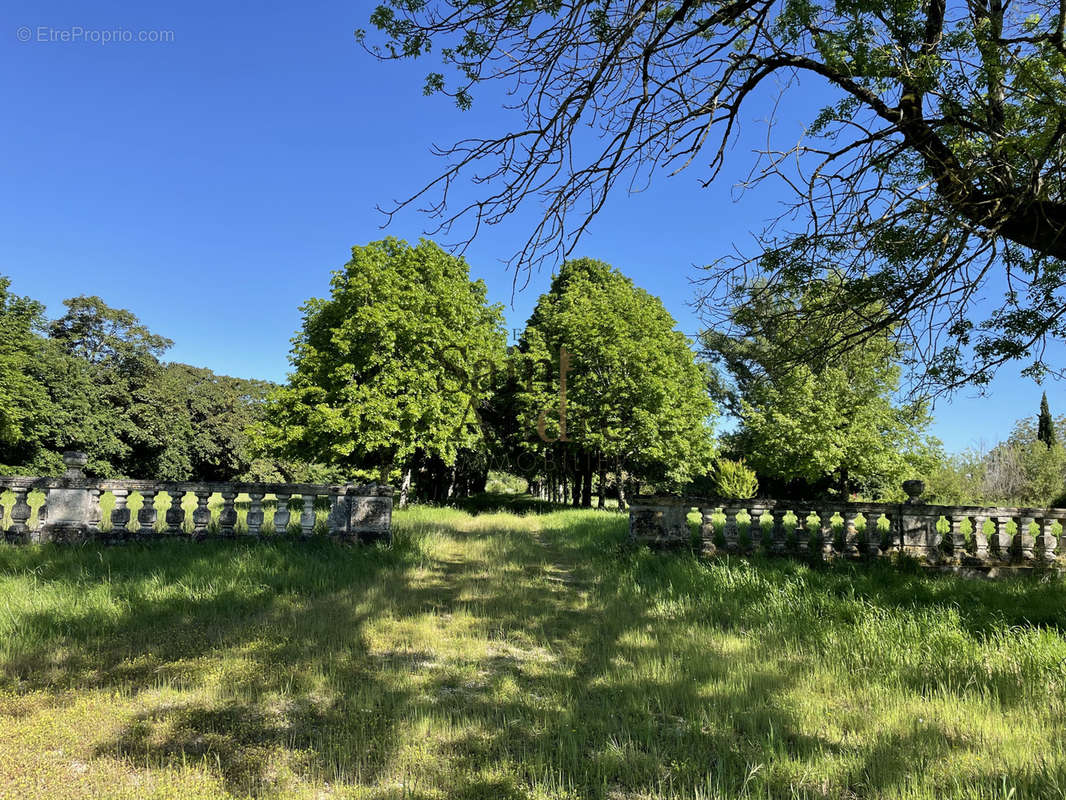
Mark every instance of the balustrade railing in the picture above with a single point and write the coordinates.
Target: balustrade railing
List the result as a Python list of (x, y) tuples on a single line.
[(74, 508), (982, 538)]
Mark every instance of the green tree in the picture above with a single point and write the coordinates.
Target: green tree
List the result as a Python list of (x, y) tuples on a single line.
[(820, 425), (636, 398), (383, 371), (23, 401), (1046, 426), (931, 177)]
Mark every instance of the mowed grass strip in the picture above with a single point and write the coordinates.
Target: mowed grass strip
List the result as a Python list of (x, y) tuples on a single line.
[(506, 656)]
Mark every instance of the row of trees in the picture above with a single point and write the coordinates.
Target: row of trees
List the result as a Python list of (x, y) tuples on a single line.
[(93, 380), (403, 374)]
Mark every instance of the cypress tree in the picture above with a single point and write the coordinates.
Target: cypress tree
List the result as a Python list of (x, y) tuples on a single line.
[(1045, 431)]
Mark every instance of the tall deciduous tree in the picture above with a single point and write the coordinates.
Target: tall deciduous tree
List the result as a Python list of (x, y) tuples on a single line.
[(636, 399), (384, 369), (830, 424), (932, 176)]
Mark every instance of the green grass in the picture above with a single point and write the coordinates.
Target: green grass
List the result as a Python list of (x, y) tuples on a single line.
[(507, 656)]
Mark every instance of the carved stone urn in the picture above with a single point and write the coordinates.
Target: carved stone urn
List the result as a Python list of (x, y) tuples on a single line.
[(914, 489)]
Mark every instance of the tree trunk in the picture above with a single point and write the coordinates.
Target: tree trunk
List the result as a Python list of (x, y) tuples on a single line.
[(586, 488), (621, 486), (405, 485), (601, 477)]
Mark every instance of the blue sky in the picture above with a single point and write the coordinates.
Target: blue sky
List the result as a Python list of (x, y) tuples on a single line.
[(211, 183)]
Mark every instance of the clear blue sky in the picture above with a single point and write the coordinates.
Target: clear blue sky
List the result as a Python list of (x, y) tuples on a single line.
[(211, 183)]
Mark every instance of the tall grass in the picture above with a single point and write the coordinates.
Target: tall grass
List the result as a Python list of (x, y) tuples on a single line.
[(504, 655)]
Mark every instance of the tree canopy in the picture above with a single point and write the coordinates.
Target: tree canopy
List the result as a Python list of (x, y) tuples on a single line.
[(382, 369), (636, 399), (931, 179), (820, 425)]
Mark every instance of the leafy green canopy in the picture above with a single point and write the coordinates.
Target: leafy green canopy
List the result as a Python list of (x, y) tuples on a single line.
[(635, 396), (389, 364), (932, 180), (819, 425)]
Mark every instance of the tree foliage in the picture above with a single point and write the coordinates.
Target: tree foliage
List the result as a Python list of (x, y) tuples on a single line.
[(823, 424), (382, 369), (635, 396), (1046, 425), (932, 178)]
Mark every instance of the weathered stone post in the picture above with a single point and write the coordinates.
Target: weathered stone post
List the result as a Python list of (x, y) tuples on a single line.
[(1000, 540), (707, 545), (1024, 541), (371, 512), (730, 531), (778, 534), (957, 539), (851, 535), (979, 551), (69, 504), (917, 526), (825, 534)]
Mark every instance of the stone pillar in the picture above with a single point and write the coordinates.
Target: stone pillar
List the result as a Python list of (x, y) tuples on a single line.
[(801, 533), (755, 512), (307, 518), (918, 534), (120, 516), (999, 542), (147, 515), (339, 513), (281, 514), (68, 506), (255, 513), (175, 516), (201, 515), (658, 522), (371, 513)]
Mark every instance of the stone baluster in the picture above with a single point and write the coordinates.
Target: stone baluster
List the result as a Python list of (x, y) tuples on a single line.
[(778, 532), (851, 535), (873, 534), (3, 514), (956, 538), (1062, 536), (281, 514), (337, 521), (825, 534), (1045, 541), (707, 545), (979, 548), (147, 515), (307, 518), (175, 515), (96, 514), (730, 530), (120, 516), (999, 543), (1024, 541), (255, 514), (755, 542), (19, 532), (201, 515), (227, 518), (801, 534)]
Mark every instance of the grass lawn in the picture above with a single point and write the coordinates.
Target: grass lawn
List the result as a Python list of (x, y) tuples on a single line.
[(505, 656)]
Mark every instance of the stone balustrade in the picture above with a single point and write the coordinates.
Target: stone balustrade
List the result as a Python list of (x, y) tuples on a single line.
[(73, 510), (988, 540)]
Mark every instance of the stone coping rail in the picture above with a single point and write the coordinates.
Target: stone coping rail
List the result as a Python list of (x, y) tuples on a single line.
[(987, 540), (72, 511)]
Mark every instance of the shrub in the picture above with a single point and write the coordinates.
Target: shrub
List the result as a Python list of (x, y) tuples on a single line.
[(734, 479)]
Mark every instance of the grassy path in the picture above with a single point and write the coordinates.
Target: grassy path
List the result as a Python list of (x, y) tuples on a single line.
[(503, 656)]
